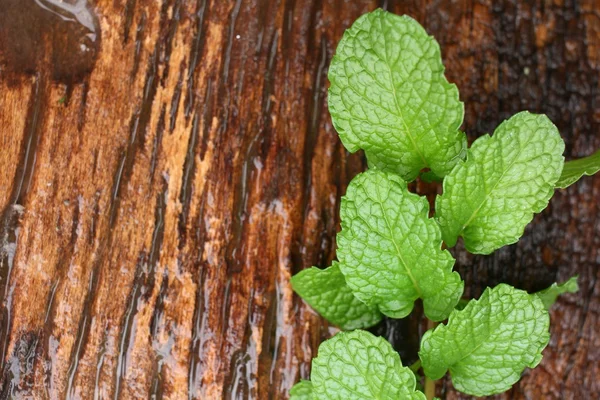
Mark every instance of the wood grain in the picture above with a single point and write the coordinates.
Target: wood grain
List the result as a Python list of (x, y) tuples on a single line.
[(156, 199)]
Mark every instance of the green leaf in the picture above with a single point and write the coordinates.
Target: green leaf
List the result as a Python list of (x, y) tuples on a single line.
[(390, 250), (487, 345), (302, 391), (359, 365), (327, 292), (490, 198), (549, 295), (574, 170), (389, 97)]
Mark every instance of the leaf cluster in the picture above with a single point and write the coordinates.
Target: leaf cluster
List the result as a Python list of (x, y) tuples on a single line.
[(390, 98)]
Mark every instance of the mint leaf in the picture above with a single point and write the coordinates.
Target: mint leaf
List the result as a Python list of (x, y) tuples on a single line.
[(359, 365), (574, 170), (327, 292), (389, 97), (490, 198), (487, 345), (302, 391), (390, 250), (549, 295)]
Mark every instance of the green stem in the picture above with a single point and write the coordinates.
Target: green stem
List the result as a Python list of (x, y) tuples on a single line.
[(429, 388), (429, 383), (415, 366)]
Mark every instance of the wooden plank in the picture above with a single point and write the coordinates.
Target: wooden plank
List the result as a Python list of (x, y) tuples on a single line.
[(160, 185)]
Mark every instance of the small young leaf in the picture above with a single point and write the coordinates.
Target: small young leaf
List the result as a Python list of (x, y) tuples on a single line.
[(493, 195), (390, 250), (302, 390), (574, 170), (549, 295), (462, 303), (389, 97), (418, 379), (326, 291), (487, 345), (359, 365), (429, 177)]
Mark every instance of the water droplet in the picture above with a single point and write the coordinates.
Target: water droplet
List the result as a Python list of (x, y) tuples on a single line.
[(59, 36)]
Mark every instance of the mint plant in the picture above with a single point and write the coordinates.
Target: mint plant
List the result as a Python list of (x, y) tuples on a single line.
[(390, 98)]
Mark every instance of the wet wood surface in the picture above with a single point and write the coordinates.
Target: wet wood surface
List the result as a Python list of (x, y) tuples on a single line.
[(167, 165)]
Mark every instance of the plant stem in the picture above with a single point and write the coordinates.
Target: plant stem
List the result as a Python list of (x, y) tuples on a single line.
[(429, 383), (429, 388), (415, 366)]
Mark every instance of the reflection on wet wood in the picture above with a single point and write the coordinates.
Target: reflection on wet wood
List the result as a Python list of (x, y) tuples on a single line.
[(160, 184)]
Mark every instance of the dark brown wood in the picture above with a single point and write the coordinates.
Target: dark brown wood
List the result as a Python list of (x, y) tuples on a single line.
[(158, 191)]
